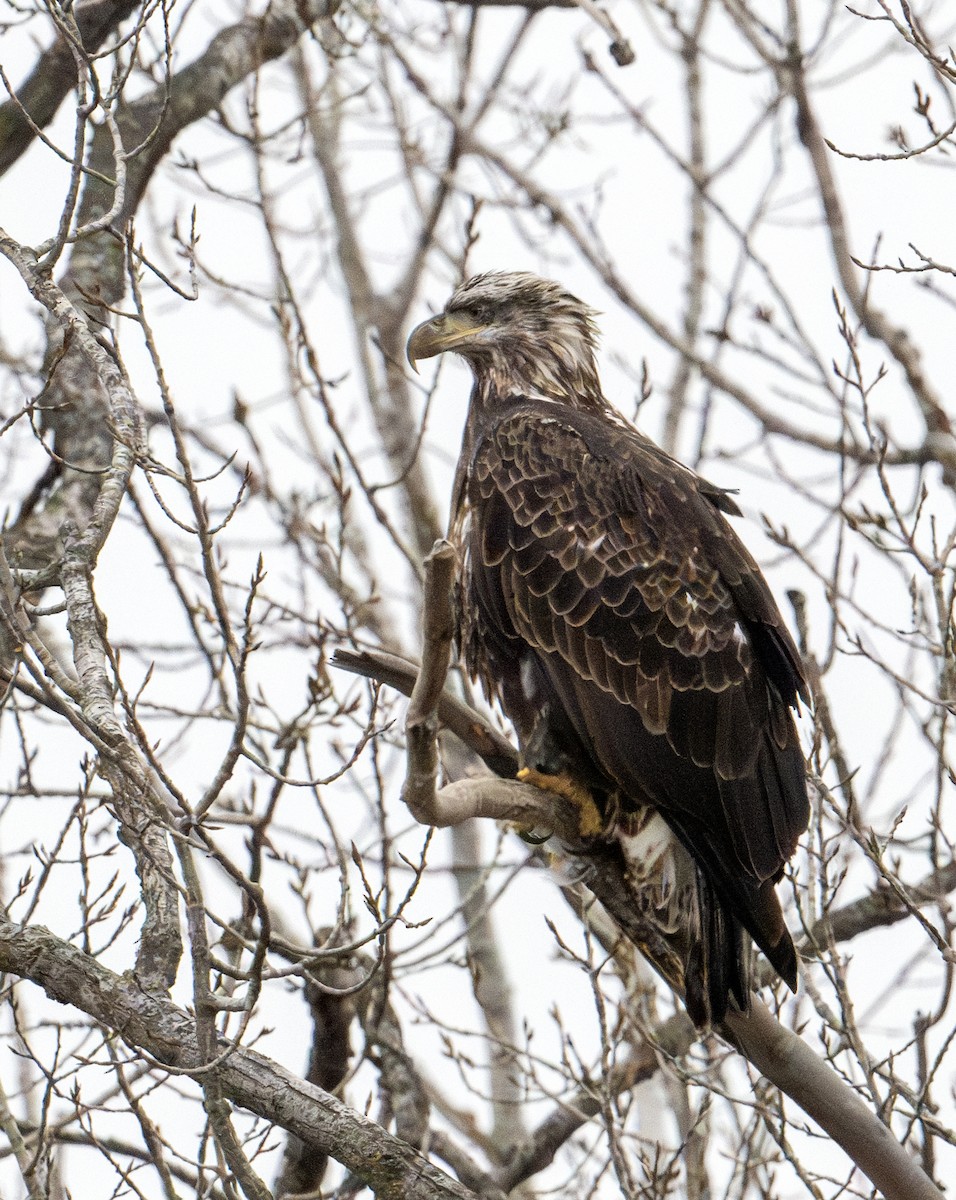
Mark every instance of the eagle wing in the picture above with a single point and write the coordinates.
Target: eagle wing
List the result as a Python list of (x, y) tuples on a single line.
[(604, 569)]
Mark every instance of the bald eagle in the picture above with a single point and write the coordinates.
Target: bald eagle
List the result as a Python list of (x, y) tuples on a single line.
[(604, 600)]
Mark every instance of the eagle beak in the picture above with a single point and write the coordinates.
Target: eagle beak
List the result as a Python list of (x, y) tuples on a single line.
[(447, 331)]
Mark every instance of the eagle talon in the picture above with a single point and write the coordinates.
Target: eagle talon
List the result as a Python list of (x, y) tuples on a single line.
[(528, 835), (590, 821)]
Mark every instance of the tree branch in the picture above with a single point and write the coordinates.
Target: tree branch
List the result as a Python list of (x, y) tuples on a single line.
[(478, 734), (421, 723), (940, 440), (54, 77), (146, 1022), (776, 1052), (799, 1073)]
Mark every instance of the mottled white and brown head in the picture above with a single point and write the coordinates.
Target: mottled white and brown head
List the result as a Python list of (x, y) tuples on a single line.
[(521, 335)]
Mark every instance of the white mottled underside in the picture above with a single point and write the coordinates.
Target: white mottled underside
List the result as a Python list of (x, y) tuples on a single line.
[(661, 872)]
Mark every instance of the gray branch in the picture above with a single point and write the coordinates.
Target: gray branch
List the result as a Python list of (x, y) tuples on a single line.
[(155, 1025), (787, 1061)]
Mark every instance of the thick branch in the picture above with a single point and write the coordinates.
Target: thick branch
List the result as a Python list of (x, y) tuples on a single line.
[(481, 737), (200, 87), (776, 1052), (875, 910), (881, 908), (788, 1062), (390, 1168), (141, 817), (73, 408), (421, 724)]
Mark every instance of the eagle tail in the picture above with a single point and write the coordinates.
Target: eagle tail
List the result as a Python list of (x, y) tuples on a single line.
[(718, 961), (781, 952)]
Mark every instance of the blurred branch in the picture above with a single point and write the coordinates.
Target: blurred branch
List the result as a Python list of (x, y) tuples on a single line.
[(33, 1165), (940, 442), (619, 48), (151, 122), (531, 5), (372, 313), (697, 181), (599, 258), (490, 986), (332, 1010), (672, 1039), (39, 97)]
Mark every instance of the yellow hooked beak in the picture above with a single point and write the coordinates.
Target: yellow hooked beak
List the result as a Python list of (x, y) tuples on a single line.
[(447, 331)]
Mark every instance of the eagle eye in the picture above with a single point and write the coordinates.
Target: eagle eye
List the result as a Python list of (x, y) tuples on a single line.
[(478, 314)]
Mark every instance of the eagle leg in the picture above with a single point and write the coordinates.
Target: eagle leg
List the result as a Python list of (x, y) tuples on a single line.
[(590, 821)]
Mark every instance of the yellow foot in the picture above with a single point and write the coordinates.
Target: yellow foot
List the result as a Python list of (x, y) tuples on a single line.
[(590, 823)]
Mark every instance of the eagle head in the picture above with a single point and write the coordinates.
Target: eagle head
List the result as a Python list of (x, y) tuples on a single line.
[(521, 336)]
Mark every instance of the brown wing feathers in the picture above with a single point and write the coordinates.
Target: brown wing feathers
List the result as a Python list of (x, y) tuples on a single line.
[(661, 643)]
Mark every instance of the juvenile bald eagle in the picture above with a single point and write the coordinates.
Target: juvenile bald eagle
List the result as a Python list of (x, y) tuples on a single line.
[(628, 634)]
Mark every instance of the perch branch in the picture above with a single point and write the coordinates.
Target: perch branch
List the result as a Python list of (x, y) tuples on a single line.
[(421, 723), (469, 726), (875, 910), (788, 1062)]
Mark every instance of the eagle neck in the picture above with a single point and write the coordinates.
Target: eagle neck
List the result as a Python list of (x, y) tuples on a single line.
[(494, 390), (556, 371)]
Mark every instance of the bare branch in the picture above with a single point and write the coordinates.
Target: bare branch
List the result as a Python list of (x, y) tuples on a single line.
[(391, 1169), (421, 723), (796, 1070)]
